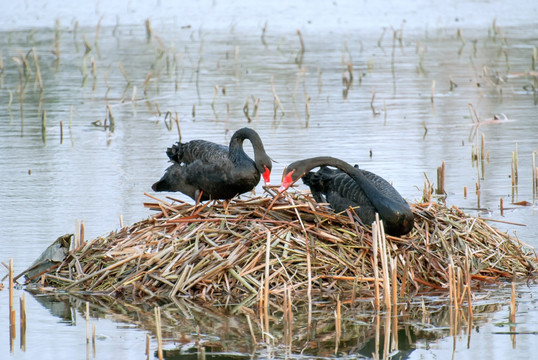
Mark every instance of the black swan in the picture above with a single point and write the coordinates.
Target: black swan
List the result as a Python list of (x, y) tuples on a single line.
[(204, 170), (349, 186)]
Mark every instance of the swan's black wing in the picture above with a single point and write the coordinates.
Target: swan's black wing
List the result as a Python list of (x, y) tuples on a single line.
[(205, 151), (342, 192), (222, 180)]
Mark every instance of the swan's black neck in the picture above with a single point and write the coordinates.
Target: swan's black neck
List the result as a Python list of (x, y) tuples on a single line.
[(236, 151), (236, 142), (301, 167)]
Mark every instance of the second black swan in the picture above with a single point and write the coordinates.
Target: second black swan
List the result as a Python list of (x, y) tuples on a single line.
[(348, 186), (204, 170)]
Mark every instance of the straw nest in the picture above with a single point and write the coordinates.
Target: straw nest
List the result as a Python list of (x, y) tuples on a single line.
[(217, 250)]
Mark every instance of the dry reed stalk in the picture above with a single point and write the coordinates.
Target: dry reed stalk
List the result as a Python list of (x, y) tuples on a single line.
[(534, 176), (474, 115), (81, 237), (266, 283), (149, 30), (147, 346), (386, 336), (38, 77), (61, 132), (394, 321), (302, 71), (44, 126), (10, 270), (393, 268), (300, 54), (87, 317), (451, 295), (93, 339), (337, 325), (158, 332), (12, 314), (252, 335), (276, 99), (289, 315), (478, 192), (375, 233), (372, 104), (441, 179), (23, 321), (384, 263), (375, 355), (513, 304), (515, 167)]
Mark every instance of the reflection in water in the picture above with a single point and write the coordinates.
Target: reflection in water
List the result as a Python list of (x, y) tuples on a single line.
[(60, 306), (234, 331)]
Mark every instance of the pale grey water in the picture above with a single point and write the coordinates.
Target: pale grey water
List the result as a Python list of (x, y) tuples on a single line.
[(97, 175)]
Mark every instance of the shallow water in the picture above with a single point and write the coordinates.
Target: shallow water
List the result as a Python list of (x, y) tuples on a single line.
[(213, 57)]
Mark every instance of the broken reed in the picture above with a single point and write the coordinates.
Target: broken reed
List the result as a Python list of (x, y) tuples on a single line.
[(441, 179), (13, 314), (158, 329), (216, 250), (534, 177), (22, 320), (514, 167)]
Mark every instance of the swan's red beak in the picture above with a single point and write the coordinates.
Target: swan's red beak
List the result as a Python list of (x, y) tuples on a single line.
[(267, 176), (286, 181)]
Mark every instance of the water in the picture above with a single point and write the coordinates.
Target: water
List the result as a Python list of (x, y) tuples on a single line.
[(84, 172)]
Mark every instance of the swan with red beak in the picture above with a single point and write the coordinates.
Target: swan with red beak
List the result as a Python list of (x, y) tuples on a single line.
[(350, 187), (204, 170)]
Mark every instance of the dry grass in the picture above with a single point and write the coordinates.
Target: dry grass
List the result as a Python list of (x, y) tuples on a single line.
[(218, 250)]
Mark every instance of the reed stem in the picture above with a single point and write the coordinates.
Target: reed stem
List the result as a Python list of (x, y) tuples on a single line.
[(23, 321), (158, 330), (87, 322), (513, 303), (266, 284), (12, 314), (441, 179)]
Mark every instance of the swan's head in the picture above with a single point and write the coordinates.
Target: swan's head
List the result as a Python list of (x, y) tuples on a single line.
[(288, 178), (299, 168)]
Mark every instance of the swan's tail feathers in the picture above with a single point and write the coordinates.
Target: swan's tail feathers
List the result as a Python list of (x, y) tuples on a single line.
[(174, 153)]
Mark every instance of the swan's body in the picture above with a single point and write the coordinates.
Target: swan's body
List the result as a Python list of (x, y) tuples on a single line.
[(349, 186), (205, 170)]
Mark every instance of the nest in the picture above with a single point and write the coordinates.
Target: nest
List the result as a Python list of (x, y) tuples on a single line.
[(219, 249)]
